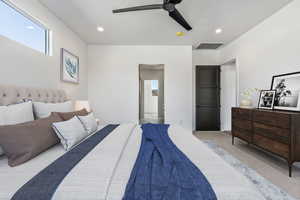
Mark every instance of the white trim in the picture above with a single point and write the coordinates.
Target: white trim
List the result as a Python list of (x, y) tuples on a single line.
[(235, 60), (25, 13), (48, 32), (236, 101)]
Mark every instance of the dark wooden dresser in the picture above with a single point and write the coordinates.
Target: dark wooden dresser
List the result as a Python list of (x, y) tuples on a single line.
[(277, 132)]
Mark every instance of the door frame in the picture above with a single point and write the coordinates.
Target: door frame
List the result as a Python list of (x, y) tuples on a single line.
[(141, 87), (235, 63)]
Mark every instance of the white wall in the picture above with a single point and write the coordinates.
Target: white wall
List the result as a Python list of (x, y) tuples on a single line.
[(114, 81), (23, 66), (206, 57), (228, 93), (272, 47)]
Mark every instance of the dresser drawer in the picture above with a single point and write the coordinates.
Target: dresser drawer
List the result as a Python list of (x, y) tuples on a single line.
[(271, 145), (278, 134), (274, 119), (242, 134), (242, 124), (239, 113)]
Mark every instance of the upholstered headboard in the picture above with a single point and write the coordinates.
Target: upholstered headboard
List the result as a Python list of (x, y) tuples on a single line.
[(13, 94)]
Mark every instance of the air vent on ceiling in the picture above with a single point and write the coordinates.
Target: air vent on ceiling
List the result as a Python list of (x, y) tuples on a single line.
[(209, 46)]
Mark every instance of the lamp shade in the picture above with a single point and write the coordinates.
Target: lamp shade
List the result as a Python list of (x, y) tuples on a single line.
[(79, 105)]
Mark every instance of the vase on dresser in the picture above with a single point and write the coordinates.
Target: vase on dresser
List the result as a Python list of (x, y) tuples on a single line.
[(246, 103)]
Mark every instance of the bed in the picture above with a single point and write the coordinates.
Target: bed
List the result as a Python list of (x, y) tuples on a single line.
[(104, 172)]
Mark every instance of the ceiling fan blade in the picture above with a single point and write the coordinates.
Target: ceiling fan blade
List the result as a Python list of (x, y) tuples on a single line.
[(175, 1), (180, 19), (139, 8)]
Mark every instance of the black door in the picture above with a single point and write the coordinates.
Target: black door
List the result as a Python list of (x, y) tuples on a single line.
[(207, 98)]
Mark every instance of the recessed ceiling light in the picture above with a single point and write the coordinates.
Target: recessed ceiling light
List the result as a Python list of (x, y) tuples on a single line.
[(219, 30), (100, 29), (30, 27)]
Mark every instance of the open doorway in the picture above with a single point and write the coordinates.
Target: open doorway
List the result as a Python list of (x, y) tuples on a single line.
[(229, 92), (151, 97)]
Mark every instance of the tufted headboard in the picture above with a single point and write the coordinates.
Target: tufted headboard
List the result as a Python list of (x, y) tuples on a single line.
[(13, 94)]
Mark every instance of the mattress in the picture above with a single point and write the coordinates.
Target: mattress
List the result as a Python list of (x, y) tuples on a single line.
[(104, 172)]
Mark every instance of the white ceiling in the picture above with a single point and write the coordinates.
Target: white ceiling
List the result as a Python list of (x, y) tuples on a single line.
[(155, 27)]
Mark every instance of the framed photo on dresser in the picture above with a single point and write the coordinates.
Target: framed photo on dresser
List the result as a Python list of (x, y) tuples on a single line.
[(266, 99), (287, 87)]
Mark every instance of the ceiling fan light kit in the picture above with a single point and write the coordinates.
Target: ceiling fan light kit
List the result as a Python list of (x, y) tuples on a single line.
[(168, 5), (180, 34)]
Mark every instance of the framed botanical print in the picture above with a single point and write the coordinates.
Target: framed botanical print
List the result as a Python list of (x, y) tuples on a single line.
[(69, 67), (287, 87), (266, 99)]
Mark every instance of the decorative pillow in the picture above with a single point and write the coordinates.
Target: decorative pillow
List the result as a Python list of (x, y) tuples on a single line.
[(23, 142), (69, 115), (43, 110), (70, 132), (15, 114), (89, 122)]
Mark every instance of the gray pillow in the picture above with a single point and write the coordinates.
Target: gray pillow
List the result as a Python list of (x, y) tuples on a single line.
[(23, 142), (69, 115)]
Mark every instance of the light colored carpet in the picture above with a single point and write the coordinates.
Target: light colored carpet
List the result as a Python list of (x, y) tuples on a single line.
[(265, 187), (268, 166)]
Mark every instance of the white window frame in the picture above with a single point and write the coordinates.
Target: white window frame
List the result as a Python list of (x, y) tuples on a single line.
[(48, 35)]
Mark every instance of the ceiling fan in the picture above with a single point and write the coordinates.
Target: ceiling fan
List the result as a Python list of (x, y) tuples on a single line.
[(168, 5)]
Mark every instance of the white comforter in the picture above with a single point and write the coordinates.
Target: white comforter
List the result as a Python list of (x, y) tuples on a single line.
[(104, 172)]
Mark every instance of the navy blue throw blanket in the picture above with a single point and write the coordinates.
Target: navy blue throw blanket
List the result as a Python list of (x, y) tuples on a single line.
[(44, 184), (163, 172)]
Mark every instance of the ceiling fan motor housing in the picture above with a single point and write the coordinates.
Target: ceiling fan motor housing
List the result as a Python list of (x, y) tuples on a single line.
[(170, 7)]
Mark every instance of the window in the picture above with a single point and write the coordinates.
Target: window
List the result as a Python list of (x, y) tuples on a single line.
[(154, 87), (18, 26), (154, 84)]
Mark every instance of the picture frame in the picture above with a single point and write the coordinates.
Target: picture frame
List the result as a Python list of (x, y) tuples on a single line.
[(267, 99), (287, 87), (69, 67)]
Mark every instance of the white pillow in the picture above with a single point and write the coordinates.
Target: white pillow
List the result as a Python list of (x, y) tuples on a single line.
[(70, 132), (43, 110), (89, 122), (15, 114)]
